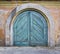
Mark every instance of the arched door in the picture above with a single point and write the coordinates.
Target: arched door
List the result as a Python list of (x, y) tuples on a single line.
[(30, 29)]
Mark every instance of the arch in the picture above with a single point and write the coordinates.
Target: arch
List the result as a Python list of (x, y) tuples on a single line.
[(41, 9)]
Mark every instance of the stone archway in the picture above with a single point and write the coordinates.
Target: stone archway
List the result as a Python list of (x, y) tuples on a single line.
[(9, 32)]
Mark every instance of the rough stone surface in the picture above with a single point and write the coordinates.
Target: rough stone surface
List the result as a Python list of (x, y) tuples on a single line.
[(29, 50)]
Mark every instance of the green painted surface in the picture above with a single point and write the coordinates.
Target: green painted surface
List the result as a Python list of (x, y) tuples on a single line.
[(30, 29)]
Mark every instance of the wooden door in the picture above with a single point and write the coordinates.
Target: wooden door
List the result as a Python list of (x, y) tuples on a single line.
[(30, 29)]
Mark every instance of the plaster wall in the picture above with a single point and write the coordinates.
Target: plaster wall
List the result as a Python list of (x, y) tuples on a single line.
[(53, 8)]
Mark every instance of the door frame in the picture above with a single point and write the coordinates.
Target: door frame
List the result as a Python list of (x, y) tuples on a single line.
[(28, 9), (32, 6)]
